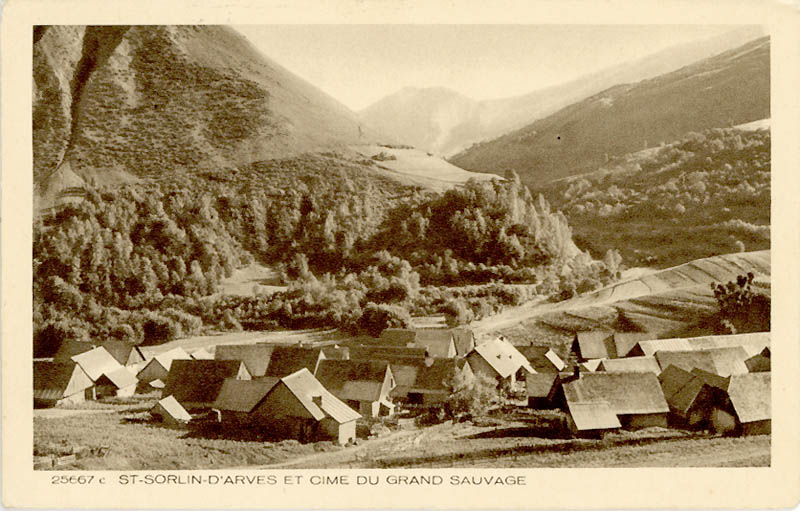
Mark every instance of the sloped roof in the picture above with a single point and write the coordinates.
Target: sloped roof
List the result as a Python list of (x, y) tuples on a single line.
[(97, 362), (751, 397), (256, 357), (503, 357), (287, 360), (721, 361), (540, 384), (752, 343), (390, 353), (50, 379), (166, 358), (305, 387), (715, 380), (336, 352), (624, 342), (438, 341), (593, 415), (435, 375), (681, 388), (630, 365), (542, 358), (121, 378), (758, 364), (157, 383), (202, 354), (596, 344), (592, 364), (243, 395), (398, 336), (626, 393), (464, 339), (120, 350), (68, 349), (358, 380), (199, 381), (173, 408)]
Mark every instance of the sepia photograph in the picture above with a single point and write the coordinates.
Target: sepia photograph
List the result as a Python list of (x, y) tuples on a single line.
[(321, 254)]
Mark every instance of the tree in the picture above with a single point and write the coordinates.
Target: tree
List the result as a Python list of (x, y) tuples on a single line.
[(470, 396), (741, 309), (456, 313), (378, 317)]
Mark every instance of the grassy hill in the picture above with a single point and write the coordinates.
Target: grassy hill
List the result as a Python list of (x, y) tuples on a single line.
[(722, 91)]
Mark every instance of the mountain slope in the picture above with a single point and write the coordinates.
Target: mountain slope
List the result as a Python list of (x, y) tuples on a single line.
[(443, 121), (728, 89), (111, 102)]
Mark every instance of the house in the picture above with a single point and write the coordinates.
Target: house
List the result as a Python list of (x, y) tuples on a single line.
[(591, 365), (464, 339), (295, 406), (118, 383), (499, 359), (287, 360), (389, 353), (427, 382), (202, 354), (750, 396), (591, 418), (593, 344), (541, 389), (542, 358), (636, 398), (97, 362), (752, 343), (256, 357), (68, 349), (721, 361), (196, 383), (123, 352), (157, 368), (440, 342), (694, 402), (169, 411), (363, 385), (624, 342), (57, 383), (759, 364), (630, 365), (398, 337)]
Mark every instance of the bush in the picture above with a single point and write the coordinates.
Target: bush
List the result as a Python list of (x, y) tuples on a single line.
[(470, 396), (378, 317)]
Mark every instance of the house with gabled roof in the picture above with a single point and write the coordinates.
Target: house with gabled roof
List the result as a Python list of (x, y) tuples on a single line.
[(759, 363), (591, 418), (694, 402), (287, 360), (295, 406), (170, 412), (464, 339), (57, 383), (390, 353), (630, 365), (398, 337), (256, 357), (542, 358), (499, 359), (97, 362), (69, 348), (440, 342), (123, 352), (750, 395), (427, 382), (157, 368), (593, 344), (624, 342), (752, 343), (118, 383), (636, 398), (541, 389), (721, 361), (363, 385), (196, 383), (202, 354)]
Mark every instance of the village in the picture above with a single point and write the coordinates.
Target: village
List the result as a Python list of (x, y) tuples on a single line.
[(346, 391)]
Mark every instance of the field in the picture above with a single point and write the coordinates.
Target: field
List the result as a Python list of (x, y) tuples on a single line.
[(135, 443)]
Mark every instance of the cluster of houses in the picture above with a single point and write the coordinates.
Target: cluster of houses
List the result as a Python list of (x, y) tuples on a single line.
[(318, 392)]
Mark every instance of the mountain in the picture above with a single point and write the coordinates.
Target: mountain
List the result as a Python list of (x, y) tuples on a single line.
[(117, 103), (727, 89), (444, 122)]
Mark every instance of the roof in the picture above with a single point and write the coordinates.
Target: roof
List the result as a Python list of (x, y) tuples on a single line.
[(336, 352), (359, 380), (593, 364), (256, 357), (630, 365), (157, 383), (681, 388), (68, 349), (752, 343), (624, 342), (721, 361), (758, 364), (464, 339), (120, 350), (199, 381), (715, 380), (172, 407), (50, 379), (166, 358), (243, 395), (540, 384), (426, 375), (97, 362), (305, 388), (287, 360), (398, 336), (751, 397), (626, 393), (542, 358), (390, 353), (202, 354), (503, 357), (438, 341), (596, 344), (121, 378), (593, 415)]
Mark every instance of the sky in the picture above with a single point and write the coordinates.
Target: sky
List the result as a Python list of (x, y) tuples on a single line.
[(360, 64)]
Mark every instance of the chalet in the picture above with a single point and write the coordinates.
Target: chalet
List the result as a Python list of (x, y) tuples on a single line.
[(157, 368), (123, 352), (169, 411), (752, 343), (362, 385), (427, 382), (694, 402), (57, 383), (636, 398), (499, 360), (630, 365), (593, 344), (721, 361), (750, 396), (118, 383), (542, 358), (256, 357), (591, 418), (196, 383), (290, 359), (294, 406)]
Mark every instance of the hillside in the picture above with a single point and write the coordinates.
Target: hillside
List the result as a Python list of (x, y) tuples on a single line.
[(725, 90), (444, 122), (707, 193), (115, 103)]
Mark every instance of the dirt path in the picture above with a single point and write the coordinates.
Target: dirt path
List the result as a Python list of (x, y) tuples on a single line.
[(58, 413)]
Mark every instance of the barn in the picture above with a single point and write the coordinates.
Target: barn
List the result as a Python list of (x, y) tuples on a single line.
[(118, 383), (593, 344), (541, 389), (750, 396), (123, 352), (591, 418), (288, 360), (202, 354), (464, 339), (363, 385), (169, 411), (630, 365), (759, 363), (157, 368), (256, 357), (57, 383), (542, 358), (721, 361), (296, 406), (427, 382), (195, 384), (440, 342), (694, 402), (389, 353), (68, 349), (752, 343), (500, 360), (624, 342), (636, 398)]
